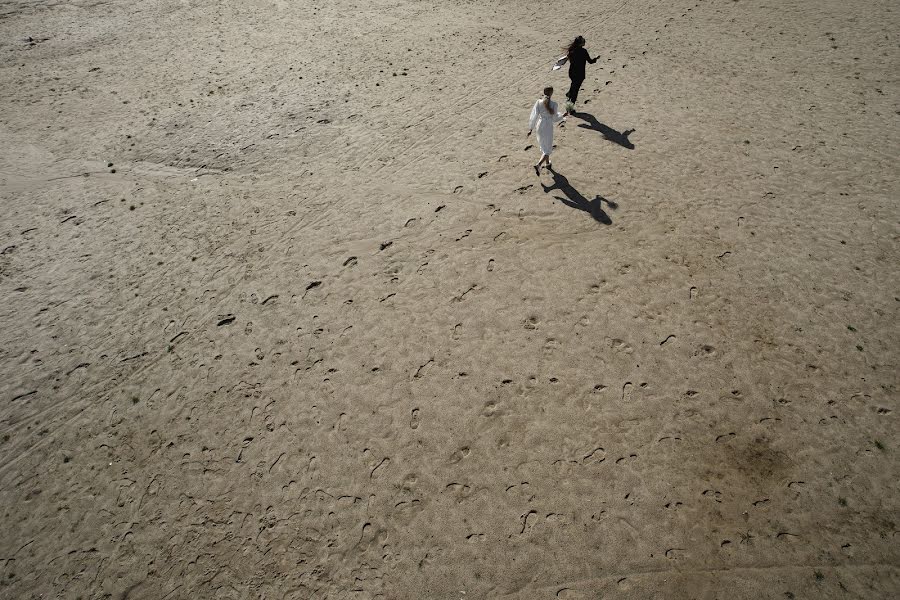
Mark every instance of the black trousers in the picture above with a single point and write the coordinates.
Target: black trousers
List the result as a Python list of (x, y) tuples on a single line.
[(577, 80)]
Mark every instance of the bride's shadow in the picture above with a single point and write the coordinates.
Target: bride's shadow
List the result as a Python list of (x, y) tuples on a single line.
[(575, 199), (617, 137)]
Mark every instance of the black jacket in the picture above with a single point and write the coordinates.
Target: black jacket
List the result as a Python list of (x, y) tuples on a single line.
[(577, 61)]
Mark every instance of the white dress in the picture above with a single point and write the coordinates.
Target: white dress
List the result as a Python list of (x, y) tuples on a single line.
[(544, 121)]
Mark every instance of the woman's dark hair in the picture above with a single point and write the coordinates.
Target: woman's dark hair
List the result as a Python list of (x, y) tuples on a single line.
[(575, 45)]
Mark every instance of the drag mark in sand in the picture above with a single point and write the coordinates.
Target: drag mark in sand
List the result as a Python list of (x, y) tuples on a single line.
[(421, 368), (463, 295)]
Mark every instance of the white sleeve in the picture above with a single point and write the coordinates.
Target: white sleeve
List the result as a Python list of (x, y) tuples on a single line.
[(534, 116), (558, 115)]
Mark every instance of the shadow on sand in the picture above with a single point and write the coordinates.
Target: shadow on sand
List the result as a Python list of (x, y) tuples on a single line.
[(591, 122), (575, 199)]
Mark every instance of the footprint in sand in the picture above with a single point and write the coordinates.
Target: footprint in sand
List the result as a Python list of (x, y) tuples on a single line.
[(620, 346), (459, 455)]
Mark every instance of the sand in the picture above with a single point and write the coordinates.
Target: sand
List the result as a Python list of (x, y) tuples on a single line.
[(286, 313)]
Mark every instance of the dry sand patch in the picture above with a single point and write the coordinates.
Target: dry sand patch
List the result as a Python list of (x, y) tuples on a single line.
[(286, 314)]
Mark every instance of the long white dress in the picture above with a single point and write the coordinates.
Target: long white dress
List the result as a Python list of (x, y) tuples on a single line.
[(544, 122)]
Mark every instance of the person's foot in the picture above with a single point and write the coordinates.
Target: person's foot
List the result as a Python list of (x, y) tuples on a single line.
[(549, 166), (537, 170)]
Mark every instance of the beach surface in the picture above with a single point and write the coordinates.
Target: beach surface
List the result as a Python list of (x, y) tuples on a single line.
[(286, 313)]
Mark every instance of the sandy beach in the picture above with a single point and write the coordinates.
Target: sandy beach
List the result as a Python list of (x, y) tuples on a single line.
[(286, 313)]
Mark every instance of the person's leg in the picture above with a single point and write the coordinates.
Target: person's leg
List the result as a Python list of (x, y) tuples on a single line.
[(573, 91), (572, 94)]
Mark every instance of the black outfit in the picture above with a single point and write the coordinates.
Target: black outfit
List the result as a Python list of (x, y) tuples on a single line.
[(577, 61)]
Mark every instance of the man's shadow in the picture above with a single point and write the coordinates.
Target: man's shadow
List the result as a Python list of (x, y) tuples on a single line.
[(574, 199), (591, 122)]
